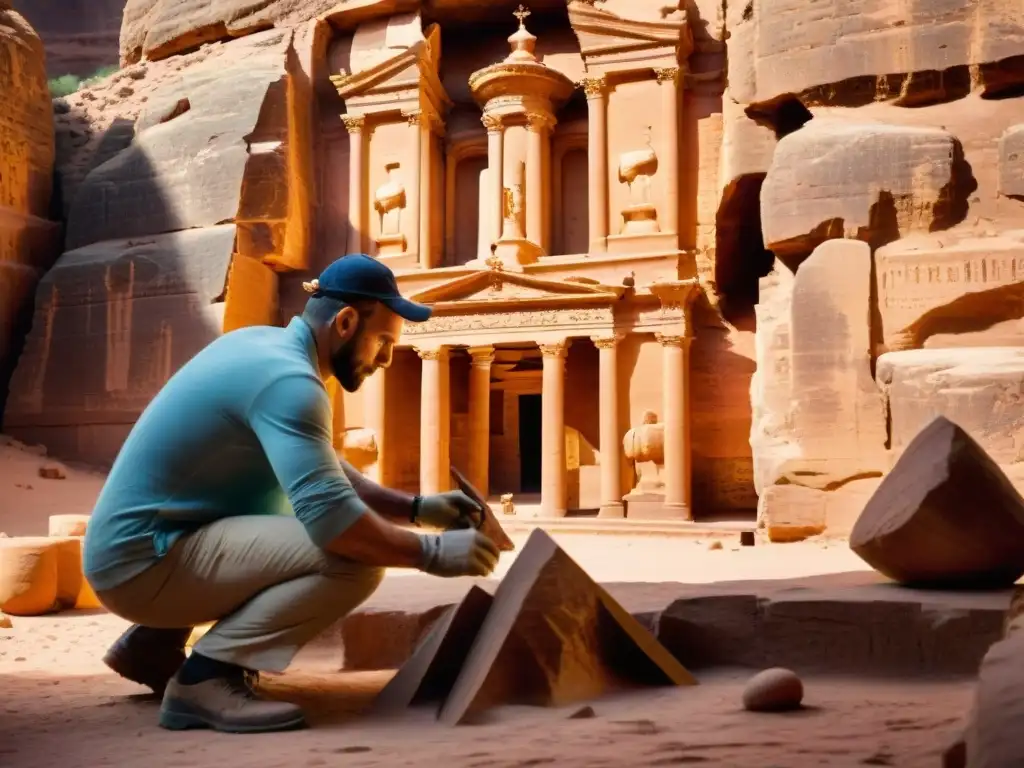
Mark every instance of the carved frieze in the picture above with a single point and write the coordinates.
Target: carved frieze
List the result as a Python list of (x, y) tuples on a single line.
[(504, 321)]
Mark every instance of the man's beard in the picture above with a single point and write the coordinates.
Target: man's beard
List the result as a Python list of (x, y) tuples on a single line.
[(345, 369)]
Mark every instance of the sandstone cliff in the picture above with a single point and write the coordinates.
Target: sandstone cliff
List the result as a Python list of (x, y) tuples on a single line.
[(885, 170), (28, 240)]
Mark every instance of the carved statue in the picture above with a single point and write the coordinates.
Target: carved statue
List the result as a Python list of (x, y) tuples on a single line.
[(635, 170), (389, 202), (644, 445)]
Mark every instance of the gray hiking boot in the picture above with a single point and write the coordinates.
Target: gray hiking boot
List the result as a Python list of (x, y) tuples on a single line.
[(225, 704)]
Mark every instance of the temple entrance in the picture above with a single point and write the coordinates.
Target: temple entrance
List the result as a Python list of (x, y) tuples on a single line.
[(529, 443)]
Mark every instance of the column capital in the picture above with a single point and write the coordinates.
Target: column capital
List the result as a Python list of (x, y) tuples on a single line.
[(667, 74), (354, 123), (539, 121), (673, 340), (415, 117), (594, 87), (554, 349), (606, 342), (481, 356), (493, 123), (440, 353)]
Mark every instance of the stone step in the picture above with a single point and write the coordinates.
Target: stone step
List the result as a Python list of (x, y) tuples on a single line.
[(848, 623)]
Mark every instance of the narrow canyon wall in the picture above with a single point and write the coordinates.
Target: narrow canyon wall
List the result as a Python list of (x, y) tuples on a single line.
[(187, 189), (28, 240)]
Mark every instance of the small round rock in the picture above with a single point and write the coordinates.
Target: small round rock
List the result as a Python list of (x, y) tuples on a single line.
[(773, 690)]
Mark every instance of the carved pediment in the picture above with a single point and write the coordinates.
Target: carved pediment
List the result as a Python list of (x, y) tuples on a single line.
[(496, 287), (602, 33), (411, 68)]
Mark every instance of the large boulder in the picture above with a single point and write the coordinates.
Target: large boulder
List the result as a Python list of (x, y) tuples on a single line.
[(870, 181), (28, 241), (945, 516), (856, 52)]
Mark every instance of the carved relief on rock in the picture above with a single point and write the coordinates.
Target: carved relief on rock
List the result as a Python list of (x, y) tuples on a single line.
[(636, 170)]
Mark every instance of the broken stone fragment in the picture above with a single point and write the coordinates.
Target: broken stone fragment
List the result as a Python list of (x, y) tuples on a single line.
[(946, 515), (773, 690), (53, 471), (5, 622)]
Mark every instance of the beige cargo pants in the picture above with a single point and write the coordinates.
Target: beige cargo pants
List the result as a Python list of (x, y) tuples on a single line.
[(269, 589)]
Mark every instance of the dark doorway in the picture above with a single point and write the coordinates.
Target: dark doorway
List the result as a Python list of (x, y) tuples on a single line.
[(529, 443)]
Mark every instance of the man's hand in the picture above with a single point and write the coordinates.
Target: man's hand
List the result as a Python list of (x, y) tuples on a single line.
[(458, 553), (449, 511)]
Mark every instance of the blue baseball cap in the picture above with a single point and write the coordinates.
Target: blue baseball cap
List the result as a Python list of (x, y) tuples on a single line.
[(360, 276)]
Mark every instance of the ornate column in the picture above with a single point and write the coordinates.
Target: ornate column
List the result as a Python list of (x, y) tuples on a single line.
[(374, 402), (676, 418), (495, 171), (668, 79), (611, 437), (597, 153), (553, 472), (435, 420), (355, 125), (537, 134), (480, 416), (414, 189)]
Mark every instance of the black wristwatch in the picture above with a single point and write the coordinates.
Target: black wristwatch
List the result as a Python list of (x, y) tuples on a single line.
[(415, 513)]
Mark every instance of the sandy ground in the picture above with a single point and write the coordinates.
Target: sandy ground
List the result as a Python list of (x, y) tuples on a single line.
[(58, 703)]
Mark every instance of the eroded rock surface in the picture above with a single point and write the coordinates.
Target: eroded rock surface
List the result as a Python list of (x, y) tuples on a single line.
[(28, 241), (1011, 162), (869, 181), (993, 737)]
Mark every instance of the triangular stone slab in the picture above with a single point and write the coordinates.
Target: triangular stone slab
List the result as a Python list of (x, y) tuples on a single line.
[(431, 671), (944, 516), (553, 637)]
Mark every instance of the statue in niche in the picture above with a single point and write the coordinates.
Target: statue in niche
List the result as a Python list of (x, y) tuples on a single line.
[(644, 445), (389, 202), (635, 171)]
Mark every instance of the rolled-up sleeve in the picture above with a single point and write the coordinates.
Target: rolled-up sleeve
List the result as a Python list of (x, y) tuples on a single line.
[(291, 417)]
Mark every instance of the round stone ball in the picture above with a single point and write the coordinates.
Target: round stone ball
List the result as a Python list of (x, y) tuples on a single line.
[(773, 690)]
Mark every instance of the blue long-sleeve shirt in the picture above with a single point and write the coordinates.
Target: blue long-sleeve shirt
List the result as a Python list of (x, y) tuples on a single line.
[(244, 428)]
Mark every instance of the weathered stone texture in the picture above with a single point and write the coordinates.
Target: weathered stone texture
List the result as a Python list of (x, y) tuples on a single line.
[(1011, 162), (945, 516), (978, 389), (871, 181), (993, 736), (211, 147), (28, 242), (112, 322), (814, 364), (933, 291), (156, 29), (856, 52)]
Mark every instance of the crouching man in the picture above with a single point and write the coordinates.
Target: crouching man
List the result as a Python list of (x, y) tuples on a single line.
[(228, 504)]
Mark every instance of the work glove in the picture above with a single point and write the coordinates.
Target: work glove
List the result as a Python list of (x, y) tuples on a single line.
[(464, 552), (449, 511)]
